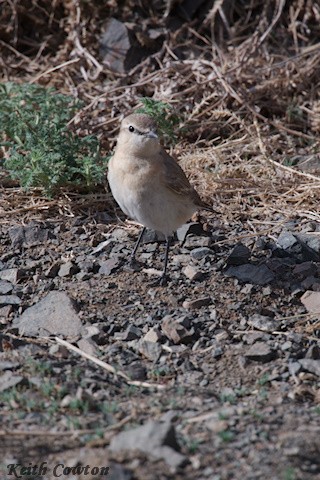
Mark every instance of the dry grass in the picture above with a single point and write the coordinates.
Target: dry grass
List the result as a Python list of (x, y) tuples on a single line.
[(245, 81)]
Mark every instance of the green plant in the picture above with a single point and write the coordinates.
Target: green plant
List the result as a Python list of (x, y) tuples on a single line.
[(166, 119), (42, 150), (226, 435), (289, 474)]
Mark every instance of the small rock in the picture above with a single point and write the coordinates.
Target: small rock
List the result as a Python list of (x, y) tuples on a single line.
[(150, 350), (119, 472), (196, 303), (294, 368), (304, 269), (31, 234), (4, 313), (312, 366), (176, 331), (68, 269), (154, 438), (5, 287), (201, 252), (108, 266), (286, 240), (151, 236), (192, 228), (131, 333), (192, 272), (12, 275), (195, 242), (257, 274), (286, 346), (54, 314), (8, 380), (313, 352), (152, 335), (311, 301), (53, 270), (106, 246), (216, 425), (88, 346), (265, 324), (9, 300), (136, 371), (239, 255), (312, 241), (260, 352)]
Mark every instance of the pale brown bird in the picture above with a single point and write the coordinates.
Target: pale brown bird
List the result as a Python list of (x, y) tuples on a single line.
[(148, 184)]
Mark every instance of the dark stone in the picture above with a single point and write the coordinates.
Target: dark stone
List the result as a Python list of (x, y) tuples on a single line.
[(256, 274), (260, 352), (31, 234), (136, 371), (313, 352), (304, 269), (239, 255), (131, 333)]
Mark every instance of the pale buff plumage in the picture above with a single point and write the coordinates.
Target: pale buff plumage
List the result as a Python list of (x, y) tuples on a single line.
[(147, 183)]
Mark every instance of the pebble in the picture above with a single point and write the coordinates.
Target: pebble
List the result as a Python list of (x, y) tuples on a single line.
[(175, 330), (201, 252), (108, 266), (286, 240), (311, 301), (260, 352), (9, 300), (239, 255), (131, 333), (263, 323), (248, 273), (196, 303), (68, 269), (152, 335), (54, 314), (150, 350), (12, 275), (155, 438), (192, 272), (192, 228)]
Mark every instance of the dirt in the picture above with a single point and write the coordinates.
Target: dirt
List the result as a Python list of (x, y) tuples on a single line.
[(233, 416)]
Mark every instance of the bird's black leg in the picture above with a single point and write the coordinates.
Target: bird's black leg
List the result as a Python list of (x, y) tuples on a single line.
[(133, 262), (163, 279)]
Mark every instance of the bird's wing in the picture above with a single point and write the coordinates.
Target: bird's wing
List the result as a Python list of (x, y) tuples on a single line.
[(176, 180)]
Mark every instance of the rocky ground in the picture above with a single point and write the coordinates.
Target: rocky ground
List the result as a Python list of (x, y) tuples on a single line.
[(215, 376)]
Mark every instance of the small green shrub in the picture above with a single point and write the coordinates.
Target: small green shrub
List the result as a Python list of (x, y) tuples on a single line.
[(166, 119), (43, 151)]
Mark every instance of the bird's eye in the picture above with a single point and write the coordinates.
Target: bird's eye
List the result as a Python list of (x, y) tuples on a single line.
[(131, 128)]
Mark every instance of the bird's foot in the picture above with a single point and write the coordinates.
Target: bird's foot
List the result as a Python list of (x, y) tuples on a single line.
[(160, 282), (133, 266)]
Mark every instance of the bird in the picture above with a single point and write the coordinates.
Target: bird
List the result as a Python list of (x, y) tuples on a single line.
[(148, 184)]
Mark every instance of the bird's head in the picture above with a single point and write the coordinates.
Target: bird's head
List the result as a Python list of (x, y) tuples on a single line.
[(138, 134)]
